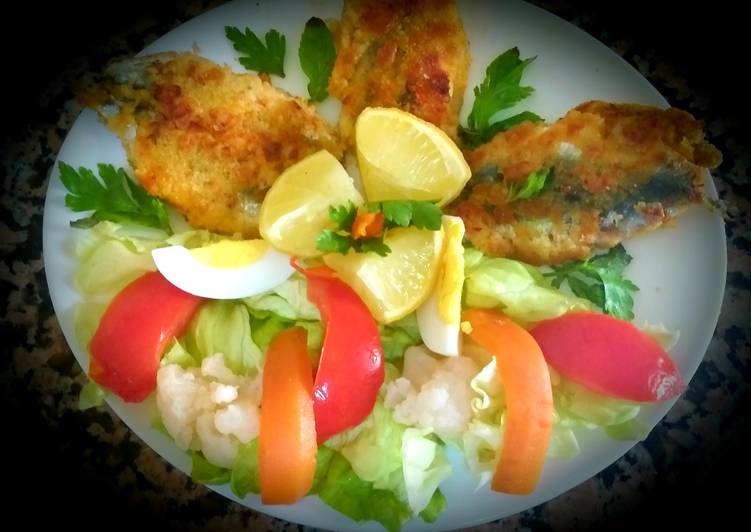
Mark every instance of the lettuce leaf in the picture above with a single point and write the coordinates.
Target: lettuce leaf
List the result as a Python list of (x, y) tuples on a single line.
[(177, 354), (91, 396), (425, 466), (435, 507), (359, 499), (516, 288), (245, 474), (376, 453), (204, 472), (223, 327), (289, 300), (396, 337), (86, 320)]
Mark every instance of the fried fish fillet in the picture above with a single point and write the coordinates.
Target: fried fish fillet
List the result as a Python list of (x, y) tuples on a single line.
[(615, 170), (205, 139), (411, 55)]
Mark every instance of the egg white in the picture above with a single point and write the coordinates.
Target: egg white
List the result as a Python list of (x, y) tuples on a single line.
[(183, 270), (438, 334)]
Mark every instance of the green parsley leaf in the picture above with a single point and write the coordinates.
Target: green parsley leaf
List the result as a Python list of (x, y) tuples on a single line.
[(372, 245), (317, 55), (600, 279), (332, 242), (258, 56), (406, 213), (343, 216), (499, 90), (116, 198), (532, 186)]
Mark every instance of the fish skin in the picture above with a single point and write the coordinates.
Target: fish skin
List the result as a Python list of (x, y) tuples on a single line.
[(616, 170), (207, 140)]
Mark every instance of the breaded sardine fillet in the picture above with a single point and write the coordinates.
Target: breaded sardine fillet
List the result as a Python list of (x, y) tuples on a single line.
[(615, 170), (411, 55), (205, 139)]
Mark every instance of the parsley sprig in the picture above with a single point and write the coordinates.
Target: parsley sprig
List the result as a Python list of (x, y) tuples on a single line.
[(600, 279), (532, 186), (259, 56), (396, 213), (500, 90), (116, 198), (317, 55)]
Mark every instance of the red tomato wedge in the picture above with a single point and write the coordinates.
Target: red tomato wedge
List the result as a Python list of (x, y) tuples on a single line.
[(287, 441), (350, 371), (609, 356), (529, 399), (134, 332)]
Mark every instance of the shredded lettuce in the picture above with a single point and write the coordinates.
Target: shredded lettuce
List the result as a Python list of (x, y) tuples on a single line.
[(343, 490), (375, 454), (91, 396), (576, 405), (406, 461), (223, 327), (425, 467), (177, 354), (289, 300), (396, 337), (516, 288), (245, 474), (110, 267), (204, 472), (435, 507), (86, 320)]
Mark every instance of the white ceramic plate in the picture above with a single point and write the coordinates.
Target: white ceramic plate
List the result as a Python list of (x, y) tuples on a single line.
[(680, 270)]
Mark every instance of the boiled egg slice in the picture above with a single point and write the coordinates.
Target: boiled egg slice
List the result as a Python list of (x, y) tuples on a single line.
[(228, 269), (439, 317)]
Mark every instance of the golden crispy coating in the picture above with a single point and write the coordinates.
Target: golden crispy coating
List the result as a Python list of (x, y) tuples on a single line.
[(209, 141), (410, 55), (615, 170)]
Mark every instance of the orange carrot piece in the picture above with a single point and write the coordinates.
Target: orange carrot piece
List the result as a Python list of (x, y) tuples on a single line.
[(367, 225), (287, 441), (529, 398)]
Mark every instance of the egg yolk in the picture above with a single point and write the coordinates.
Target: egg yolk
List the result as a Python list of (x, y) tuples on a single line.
[(230, 253), (451, 276)]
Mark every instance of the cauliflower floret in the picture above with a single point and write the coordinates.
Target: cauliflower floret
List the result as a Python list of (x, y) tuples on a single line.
[(215, 368), (209, 409), (433, 394), (223, 393), (219, 449), (241, 419)]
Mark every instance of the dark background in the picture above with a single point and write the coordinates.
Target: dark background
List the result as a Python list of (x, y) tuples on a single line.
[(49, 479)]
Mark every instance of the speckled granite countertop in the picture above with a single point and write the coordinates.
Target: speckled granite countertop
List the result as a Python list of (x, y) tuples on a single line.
[(86, 464)]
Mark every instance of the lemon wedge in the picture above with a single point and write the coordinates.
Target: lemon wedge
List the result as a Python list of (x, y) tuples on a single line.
[(394, 285), (403, 157), (295, 209)]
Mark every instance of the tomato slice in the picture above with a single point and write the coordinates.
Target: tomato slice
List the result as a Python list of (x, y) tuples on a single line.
[(350, 371), (287, 441), (609, 356), (134, 332), (529, 399)]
